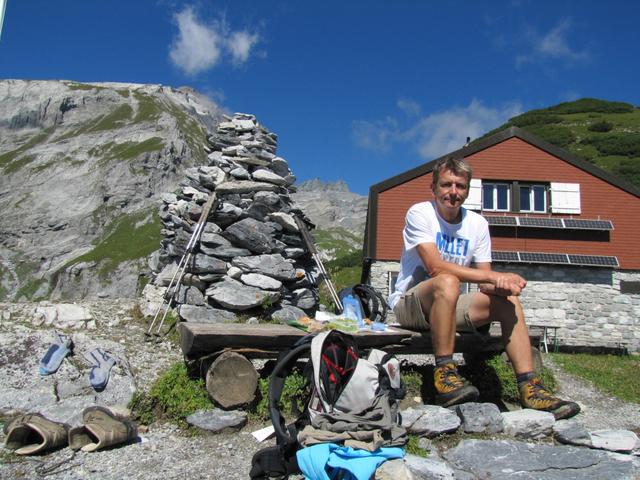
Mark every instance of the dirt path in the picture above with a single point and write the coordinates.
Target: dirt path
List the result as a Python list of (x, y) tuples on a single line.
[(599, 410)]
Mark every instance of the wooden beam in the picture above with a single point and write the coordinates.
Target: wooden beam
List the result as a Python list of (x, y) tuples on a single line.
[(197, 339)]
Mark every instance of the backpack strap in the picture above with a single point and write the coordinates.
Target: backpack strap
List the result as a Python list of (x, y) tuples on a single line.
[(373, 301), (286, 436)]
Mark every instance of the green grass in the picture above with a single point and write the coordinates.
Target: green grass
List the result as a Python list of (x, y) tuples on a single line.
[(292, 397), (29, 285), (413, 447), (173, 396), (616, 375), (83, 86), (11, 162), (148, 108), (127, 240), (115, 119)]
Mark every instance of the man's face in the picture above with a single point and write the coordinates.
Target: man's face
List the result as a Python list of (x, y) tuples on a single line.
[(450, 192)]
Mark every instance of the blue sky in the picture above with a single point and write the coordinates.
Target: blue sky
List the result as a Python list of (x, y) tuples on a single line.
[(356, 90)]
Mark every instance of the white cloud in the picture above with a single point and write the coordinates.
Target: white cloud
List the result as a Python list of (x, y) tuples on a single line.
[(375, 136), (240, 45), (552, 45), (408, 106), (436, 134), (443, 132), (199, 46)]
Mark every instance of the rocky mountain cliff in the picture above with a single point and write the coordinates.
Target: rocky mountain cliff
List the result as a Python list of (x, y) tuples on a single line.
[(339, 215), (82, 168)]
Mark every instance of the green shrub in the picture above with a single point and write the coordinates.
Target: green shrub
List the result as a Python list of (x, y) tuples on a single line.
[(555, 134), (413, 447), (628, 169), (602, 126), (627, 145), (173, 395), (294, 392), (534, 117)]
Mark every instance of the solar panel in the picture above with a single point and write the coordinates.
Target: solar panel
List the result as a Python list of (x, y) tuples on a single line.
[(542, 257), (505, 256), (594, 260), (500, 220), (540, 222), (588, 224)]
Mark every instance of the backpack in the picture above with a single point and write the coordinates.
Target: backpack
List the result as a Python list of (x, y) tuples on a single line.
[(371, 303), (341, 383)]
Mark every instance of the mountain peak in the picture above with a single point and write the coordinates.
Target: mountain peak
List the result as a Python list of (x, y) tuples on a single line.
[(317, 185)]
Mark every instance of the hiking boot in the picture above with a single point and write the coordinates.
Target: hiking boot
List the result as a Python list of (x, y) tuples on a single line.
[(102, 428), (533, 394), (451, 387), (32, 433)]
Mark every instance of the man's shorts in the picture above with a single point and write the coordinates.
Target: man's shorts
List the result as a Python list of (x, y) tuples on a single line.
[(410, 315)]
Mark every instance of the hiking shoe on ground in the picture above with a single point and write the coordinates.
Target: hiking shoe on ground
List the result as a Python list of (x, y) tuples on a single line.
[(32, 433), (102, 428), (451, 387), (533, 394)]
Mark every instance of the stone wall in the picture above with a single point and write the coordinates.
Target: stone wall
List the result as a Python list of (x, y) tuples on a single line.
[(585, 302)]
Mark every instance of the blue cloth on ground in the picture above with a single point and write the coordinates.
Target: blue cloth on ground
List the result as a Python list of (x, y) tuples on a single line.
[(101, 363), (56, 352), (324, 460)]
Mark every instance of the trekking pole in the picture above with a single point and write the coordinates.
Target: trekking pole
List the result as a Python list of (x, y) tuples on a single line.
[(174, 284), (308, 241)]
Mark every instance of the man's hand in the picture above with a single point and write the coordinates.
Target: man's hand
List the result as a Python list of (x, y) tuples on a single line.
[(504, 284)]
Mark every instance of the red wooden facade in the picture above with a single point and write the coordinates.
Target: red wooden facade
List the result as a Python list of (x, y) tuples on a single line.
[(516, 155)]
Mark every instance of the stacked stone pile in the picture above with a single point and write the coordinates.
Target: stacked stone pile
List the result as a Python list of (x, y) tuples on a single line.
[(250, 257)]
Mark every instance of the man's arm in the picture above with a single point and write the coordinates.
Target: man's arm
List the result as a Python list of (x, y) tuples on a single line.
[(496, 283)]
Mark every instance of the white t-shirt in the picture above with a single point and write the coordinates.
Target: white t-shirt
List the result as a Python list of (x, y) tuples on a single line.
[(461, 243)]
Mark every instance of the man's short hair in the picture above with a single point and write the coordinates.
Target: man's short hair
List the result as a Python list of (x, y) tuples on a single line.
[(456, 165)]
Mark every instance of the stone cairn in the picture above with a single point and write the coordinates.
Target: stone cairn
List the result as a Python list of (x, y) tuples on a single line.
[(250, 257)]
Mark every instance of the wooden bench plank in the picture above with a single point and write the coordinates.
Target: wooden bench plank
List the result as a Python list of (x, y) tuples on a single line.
[(199, 339)]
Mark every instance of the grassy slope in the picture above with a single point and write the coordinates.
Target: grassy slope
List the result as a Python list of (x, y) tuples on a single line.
[(602, 132), (129, 238)]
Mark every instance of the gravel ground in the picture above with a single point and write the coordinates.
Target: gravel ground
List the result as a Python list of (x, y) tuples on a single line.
[(164, 452)]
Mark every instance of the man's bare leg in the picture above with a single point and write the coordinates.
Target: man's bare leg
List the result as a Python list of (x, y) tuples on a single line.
[(508, 311), (515, 336), (439, 297)]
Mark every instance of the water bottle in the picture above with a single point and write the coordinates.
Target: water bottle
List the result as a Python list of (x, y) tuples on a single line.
[(352, 309)]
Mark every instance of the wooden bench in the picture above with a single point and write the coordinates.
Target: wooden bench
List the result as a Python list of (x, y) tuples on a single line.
[(219, 352), (266, 340)]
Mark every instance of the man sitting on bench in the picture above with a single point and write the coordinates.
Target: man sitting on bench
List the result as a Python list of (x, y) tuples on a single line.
[(441, 240)]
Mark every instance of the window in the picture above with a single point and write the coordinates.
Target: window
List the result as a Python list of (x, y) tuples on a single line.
[(393, 277), (533, 198), (496, 196)]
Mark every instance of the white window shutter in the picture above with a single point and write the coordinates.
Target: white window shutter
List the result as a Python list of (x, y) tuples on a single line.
[(565, 198), (474, 200)]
